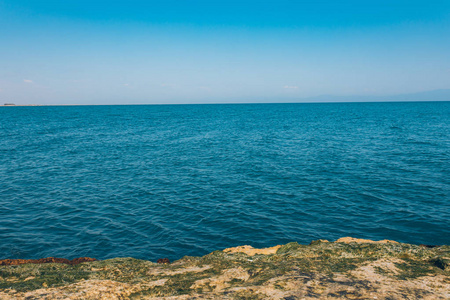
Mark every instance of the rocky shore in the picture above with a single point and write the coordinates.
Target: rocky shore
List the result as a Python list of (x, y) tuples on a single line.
[(347, 268)]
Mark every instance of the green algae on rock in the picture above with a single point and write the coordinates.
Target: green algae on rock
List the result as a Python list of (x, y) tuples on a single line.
[(345, 269)]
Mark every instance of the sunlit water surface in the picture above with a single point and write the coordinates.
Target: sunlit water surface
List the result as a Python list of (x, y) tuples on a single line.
[(169, 181)]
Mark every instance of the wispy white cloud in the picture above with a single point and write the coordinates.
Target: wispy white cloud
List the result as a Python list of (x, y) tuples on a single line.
[(290, 87), (28, 81)]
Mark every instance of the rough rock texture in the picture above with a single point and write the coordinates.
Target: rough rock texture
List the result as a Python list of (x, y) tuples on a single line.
[(249, 250), (75, 261), (361, 241), (350, 268)]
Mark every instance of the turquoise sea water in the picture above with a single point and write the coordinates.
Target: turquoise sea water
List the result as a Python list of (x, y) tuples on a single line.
[(169, 181)]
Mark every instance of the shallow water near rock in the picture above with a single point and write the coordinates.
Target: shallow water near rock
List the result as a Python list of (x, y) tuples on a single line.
[(168, 181)]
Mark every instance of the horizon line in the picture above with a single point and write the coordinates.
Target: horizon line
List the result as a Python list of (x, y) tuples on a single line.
[(225, 103)]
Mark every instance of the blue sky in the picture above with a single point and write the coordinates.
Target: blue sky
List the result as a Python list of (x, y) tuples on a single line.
[(110, 52)]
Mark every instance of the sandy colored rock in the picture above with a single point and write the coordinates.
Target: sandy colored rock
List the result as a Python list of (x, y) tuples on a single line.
[(219, 283), (249, 250), (188, 270), (361, 241)]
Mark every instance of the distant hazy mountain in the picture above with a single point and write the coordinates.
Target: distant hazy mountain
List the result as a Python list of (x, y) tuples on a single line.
[(436, 95)]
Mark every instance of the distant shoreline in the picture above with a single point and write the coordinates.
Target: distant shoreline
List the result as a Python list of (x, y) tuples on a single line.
[(231, 103)]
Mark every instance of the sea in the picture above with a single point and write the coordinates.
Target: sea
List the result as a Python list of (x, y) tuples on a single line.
[(154, 181)]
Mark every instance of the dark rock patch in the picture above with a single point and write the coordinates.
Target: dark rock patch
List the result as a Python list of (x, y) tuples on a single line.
[(428, 246), (75, 261), (163, 261)]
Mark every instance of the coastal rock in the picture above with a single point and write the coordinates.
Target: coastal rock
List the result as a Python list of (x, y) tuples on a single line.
[(316, 242), (75, 261), (362, 241), (219, 283), (346, 269), (249, 250), (163, 261)]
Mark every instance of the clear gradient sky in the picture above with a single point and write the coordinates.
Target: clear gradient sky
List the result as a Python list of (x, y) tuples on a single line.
[(120, 52)]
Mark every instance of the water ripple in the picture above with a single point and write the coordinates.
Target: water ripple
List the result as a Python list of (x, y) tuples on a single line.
[(168, 181)]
